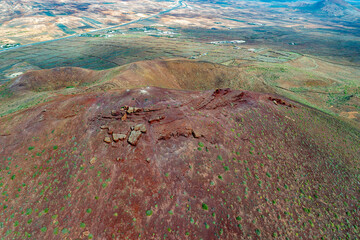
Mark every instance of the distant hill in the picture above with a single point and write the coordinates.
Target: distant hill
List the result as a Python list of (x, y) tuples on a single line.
[(192, 75), (334, 8)]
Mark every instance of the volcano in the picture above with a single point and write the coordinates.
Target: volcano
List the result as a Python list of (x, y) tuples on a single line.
[(157, 163)]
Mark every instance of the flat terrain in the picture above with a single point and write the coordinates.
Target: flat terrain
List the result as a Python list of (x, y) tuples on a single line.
[(35, 21)]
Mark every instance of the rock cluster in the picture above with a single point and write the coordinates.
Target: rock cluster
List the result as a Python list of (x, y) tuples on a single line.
[(277, 101), (118, 136), (136, 134), (130, 110)]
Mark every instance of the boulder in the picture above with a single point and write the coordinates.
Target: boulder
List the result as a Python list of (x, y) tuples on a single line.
[(196, 134), (107, 139), (118, 136), (115, 113), (134, 137), (130, 110), (140, 127)]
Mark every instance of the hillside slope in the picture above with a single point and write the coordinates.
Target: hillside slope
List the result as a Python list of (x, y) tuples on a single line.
[(54, 79), (319, 84), (332, 8), (151, 163)]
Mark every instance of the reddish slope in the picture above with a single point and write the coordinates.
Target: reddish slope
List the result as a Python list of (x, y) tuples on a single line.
[(53, 79), (216, 164), (178, 74)]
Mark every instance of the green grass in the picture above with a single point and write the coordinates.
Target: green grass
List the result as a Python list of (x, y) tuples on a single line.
[(205, 206)]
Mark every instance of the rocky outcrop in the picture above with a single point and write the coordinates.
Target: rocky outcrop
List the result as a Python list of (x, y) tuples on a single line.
[(130, 110), (277, 101), (156, 119)]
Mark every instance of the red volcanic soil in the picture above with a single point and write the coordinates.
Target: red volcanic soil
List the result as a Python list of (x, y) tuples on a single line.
[(174, 74), (53, 79), (217, 164)]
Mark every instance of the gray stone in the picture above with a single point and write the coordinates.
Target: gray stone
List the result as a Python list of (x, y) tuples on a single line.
[(130, 110), (140, 127), (107, 139), (134, 137), (115, 113), (117, 136)]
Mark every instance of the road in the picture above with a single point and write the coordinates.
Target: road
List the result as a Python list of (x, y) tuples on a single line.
[(179, 4)]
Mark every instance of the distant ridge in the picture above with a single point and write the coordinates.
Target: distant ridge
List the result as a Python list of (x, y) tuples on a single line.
[(335, 8)]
